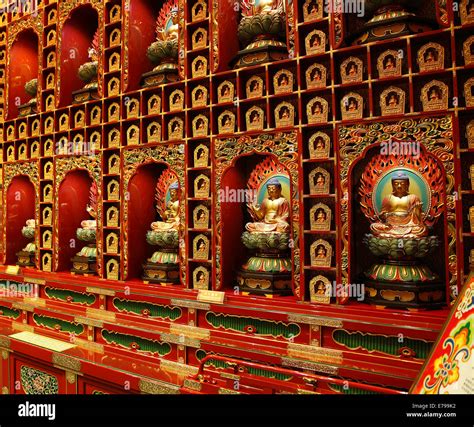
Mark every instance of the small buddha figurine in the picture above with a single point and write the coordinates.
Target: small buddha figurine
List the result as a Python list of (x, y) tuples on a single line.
[(430, 56), (272, 215), (401, 214), (171, 215), (320, 145), (285, 114), (393, 101), (171, 31), (321, 252), (320, 180), (352, 69), (321, 216), (316, 75), (321, 288), (315, 41), (317, 108), (390, 63)]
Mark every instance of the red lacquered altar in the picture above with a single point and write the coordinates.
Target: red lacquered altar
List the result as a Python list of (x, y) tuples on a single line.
[(232, 197)]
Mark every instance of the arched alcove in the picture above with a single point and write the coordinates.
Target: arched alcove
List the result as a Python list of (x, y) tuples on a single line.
[(77, 36), (72, 199), (142, 33), (233, 198), (141, 213), (23, 68), (21, 196)]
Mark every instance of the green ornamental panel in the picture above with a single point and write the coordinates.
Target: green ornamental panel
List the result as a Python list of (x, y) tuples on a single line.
[(70, 296), (58, 324), (151, 310), (219, 364), (392, 345), (142, 345), (253, 325), (9, 312)]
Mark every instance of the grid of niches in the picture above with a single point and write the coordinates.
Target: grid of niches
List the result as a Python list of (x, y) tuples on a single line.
[(197, 98), (105, 132)]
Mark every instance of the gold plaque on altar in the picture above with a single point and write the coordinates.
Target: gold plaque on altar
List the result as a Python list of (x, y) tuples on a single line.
[(254, 87), (199, 38), (133, 135), (319, 146), (50, 81), (51, 37), (35, 127), (320, 217), (226, 122), (199, 67), (392, 101), (201, 247), (10, 153), (434, 96), (316, 76), (201, 278), (313, 9), (49, 102), (199, 96), (315, 42), (469, 92), (51, 59), (201, 186), (22, 152), (201, 217), (389, 64), (115, 13), (200, 125), (48, 170), (466, 10), (114, 164), (177, 100), (352, 70), (34, 150), (320, 290), (48, 148), (52, 15), (321, 253), (47, 239), (48, 193), (11, 131), (283, 82), (352, 106), (115, 38), (255, 118), (215, 297), (114, 112), (431, 57), (12, 269), (46, 262), (95, 115), (114, 86), (468, 50), (319, 181), (175, 129), (47, 216), (113, 189), (201, 156), (22, 130), (284, 115), (317, 110)]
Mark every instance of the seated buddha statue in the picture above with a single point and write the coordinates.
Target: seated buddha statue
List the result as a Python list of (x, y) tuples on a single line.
[(90, 224), (401, 212), (272, 215), (170, 216)]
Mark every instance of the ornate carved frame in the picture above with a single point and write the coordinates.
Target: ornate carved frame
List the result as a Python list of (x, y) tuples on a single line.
[(173, 156), (435, 134), (283, 145)]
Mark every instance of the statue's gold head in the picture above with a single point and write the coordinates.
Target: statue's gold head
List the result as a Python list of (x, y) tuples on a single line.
[(274, 188), (400, 186)]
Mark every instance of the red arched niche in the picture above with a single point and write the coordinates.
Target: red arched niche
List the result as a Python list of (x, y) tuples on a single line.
[(141, 213), (23, 68), (21, 197), (73, 198), (77, 35)]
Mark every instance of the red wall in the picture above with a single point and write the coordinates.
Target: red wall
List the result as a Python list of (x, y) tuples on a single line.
[(23, 68), (141, 213), (20, 207), (143, 14), (77, 35), (73, 198)]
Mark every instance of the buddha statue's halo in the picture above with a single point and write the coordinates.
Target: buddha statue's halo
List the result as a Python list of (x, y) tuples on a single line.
[(418, 186)]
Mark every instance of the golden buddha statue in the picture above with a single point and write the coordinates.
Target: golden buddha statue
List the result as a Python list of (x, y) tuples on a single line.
[(171, 214), (272, 215), (90, 224), (171, 30), (401, 212)]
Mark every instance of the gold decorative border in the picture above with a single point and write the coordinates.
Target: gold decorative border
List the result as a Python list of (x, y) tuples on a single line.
[(173, 156), (283, 145), (311, 320), (315, 354), (66, 362), (435, 134), (12, 170), (311, 366), (64, 165), (5, 342), (32, 21), (215, 35), (190, 304), (64, 11), (149, 387)]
